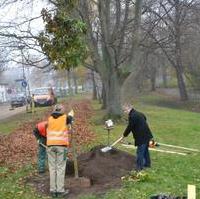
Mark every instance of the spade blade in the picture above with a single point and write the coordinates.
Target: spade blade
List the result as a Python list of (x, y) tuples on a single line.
[(106, 149)]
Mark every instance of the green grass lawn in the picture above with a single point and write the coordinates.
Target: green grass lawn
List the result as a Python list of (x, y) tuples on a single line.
[(169, 174), (12, 185)]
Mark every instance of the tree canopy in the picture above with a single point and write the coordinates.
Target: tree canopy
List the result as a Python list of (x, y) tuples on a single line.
[(63, 38)]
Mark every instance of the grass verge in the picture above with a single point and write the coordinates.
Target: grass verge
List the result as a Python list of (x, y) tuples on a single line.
[(10, 124), (12, 184), (170, 173)]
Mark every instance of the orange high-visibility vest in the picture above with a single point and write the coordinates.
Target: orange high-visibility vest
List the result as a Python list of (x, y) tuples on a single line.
[(57, 131), (42, 128)]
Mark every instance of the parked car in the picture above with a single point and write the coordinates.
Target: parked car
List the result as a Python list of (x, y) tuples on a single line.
[(17, 101), (61, 92), (44, 97)]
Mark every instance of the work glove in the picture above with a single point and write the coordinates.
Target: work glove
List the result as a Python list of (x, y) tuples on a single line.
[(70, 119), (152, 143)]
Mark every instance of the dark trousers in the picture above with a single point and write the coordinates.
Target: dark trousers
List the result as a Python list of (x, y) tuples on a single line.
[(143, 157), (41, 156)]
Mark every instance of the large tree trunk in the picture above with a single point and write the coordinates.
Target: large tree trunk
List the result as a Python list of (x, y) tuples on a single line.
[(113, 98), (178, 54), (135, 51)]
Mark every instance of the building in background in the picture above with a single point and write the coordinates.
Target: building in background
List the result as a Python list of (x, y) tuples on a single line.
[(3, 93)]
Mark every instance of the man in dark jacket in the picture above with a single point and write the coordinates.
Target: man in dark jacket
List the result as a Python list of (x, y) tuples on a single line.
[(142, 135)]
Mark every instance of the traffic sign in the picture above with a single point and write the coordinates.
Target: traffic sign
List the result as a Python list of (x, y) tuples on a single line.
[(24, 83)]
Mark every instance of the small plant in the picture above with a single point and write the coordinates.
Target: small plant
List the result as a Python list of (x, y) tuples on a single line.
[(136, 176)]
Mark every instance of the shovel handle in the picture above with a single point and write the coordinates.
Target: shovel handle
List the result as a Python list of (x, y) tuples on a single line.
[(179, 147), (43, 145), (118, 140)]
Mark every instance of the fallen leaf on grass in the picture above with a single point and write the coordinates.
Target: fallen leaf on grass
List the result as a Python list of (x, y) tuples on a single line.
[(20, 147)]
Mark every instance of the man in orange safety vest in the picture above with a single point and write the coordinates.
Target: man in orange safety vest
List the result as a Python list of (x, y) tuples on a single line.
[(58, 144)]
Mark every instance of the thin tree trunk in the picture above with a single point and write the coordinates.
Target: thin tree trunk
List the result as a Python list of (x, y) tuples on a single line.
[(75, 81), (94, 86), (99, 96), (181, 85), (153, 83), (104, 105), (69, 82), (164, 77), (153, 79)]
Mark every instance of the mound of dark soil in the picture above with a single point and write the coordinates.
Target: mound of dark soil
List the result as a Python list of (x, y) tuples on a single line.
[(104, 169)]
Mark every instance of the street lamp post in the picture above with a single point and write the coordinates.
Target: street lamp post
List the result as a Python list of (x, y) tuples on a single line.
[(21, 47)]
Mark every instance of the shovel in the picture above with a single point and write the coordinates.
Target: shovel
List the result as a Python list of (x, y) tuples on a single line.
[(108, 148), (43, 145), (178, 147)]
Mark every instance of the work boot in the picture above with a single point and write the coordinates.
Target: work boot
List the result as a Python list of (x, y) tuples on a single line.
[(146, 167), (41, 173), (62, 194), (53, 194)]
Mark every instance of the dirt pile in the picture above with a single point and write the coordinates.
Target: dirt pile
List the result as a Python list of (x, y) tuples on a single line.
[(102, 167)]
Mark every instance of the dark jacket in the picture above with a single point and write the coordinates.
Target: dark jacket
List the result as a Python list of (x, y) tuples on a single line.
[(69, 119), (139, 127), (37, 134)]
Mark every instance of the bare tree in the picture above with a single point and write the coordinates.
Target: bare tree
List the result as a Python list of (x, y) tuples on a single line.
[(169, 21), (112, 33), (19, 30)]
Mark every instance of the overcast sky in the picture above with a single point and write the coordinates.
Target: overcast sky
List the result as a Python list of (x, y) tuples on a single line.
[(17, 13), (22, 11)]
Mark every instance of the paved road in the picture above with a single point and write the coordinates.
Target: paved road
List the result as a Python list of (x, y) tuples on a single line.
[(6, 112)]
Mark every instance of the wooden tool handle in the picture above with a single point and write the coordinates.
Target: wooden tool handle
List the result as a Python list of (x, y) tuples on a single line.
[(117, 141)]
